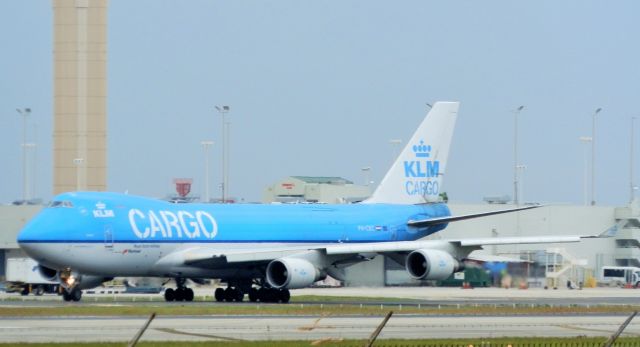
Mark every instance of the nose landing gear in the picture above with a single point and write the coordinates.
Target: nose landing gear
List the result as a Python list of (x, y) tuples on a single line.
[(75, 294)]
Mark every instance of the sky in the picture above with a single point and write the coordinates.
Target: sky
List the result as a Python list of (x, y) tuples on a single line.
[(319, 89)]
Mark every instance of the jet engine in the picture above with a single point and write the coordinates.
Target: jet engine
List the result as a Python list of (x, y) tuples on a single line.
[(431, 264), (292, 273), (71, 279), (48, 273)]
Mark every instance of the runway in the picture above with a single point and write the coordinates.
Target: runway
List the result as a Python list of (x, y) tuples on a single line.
[(94, 329), (425, 296), (260, 327)]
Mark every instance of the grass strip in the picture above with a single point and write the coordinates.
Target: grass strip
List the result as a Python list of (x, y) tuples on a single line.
[(160, 298), (181, 309)]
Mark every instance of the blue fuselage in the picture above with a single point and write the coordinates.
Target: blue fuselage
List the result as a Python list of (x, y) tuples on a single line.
[(110, 234), (117, 218)]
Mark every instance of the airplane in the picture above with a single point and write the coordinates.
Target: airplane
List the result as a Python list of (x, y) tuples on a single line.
[(83, 239)]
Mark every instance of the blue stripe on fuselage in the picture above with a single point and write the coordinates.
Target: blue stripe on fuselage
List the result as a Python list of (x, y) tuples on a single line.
[(111, 217)]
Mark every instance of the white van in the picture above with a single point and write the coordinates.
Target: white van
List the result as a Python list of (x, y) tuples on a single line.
[(621, 275)]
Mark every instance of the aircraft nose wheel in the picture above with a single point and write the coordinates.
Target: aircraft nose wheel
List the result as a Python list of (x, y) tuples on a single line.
[(74, 295)]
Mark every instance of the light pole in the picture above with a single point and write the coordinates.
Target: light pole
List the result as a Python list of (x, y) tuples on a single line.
[(632, 186), (25, 185), (521, 169), (585, 140), (31, 169), (223, 110), (365, 172), (516, 113), (395, 144), (593, 157), (205, 147)]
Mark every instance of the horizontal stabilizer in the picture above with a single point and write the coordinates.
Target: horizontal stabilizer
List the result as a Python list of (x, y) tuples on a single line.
[(611, 232), (443, 220)]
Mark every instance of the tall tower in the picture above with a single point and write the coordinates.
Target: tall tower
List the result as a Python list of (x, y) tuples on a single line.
[(80, 95)]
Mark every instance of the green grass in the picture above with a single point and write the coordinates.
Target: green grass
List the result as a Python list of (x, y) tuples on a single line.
[(484, 342), (159, 298), (339, 299), (178, 309)]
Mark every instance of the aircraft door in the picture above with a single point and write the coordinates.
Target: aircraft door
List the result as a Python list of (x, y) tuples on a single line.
[(108, 237)]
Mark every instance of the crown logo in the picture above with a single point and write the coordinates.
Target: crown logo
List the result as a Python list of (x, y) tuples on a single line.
[(422, 150), (101, 205)]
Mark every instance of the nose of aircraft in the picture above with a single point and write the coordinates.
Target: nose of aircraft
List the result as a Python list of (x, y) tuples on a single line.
[(32, 235), (28, 237)]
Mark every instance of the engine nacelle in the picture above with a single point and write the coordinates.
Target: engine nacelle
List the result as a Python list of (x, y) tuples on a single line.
[(48, 273), (88, 282), (431, 264), (292, 273), (70, 279)]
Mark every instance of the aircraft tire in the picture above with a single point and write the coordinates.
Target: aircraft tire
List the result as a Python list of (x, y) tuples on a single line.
[(239, 295), (231, 294), (188, 294), (284, 296), (169, 294), (262, 294), (38, 291), (268, 295), (180, 294), (25, 290), (253, 295), (65, 295), (219, 294), (76, 294)]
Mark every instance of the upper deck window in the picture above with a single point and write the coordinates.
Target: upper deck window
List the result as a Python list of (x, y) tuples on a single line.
[(58, 203)]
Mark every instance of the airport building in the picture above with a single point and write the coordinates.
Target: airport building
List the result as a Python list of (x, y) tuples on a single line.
[(327, 190)]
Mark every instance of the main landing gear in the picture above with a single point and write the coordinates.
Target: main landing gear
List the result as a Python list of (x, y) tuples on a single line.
[(269, 295), (181, 293), (261, 294)]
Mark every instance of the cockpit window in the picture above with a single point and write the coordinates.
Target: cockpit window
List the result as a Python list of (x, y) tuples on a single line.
[(58, 203)]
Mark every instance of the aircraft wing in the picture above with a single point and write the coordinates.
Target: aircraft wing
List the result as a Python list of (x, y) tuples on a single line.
[(212, 257), (407, 246)]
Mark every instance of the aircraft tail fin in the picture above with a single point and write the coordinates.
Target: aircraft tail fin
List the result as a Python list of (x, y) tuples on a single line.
[(416, 175)]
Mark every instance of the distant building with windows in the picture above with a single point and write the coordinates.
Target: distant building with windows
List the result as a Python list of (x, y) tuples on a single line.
[(329, 190)]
